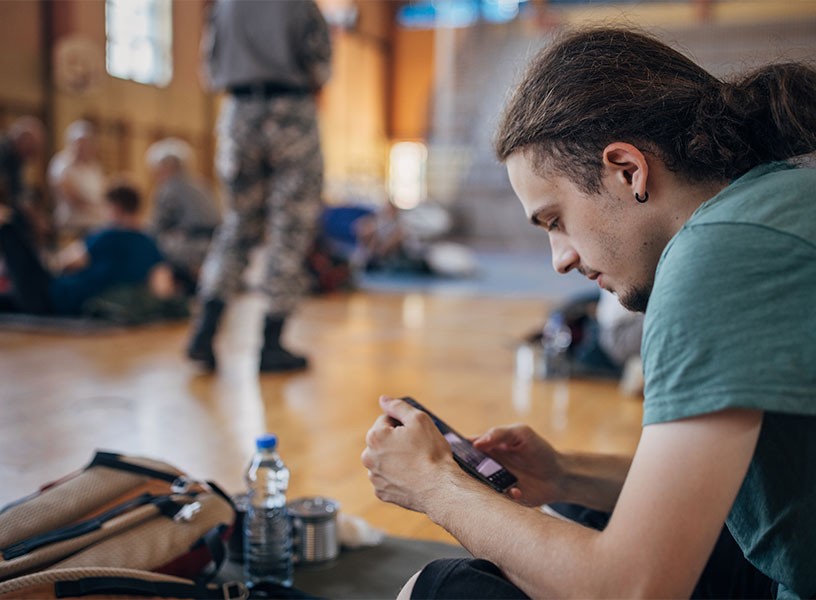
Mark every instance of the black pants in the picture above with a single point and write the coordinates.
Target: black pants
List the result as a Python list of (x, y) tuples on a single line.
[(31, 280), (727, 575)]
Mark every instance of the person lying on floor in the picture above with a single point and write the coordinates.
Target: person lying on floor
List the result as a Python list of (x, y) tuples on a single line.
[(119, 254)]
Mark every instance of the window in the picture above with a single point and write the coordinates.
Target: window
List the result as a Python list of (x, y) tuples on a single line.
[(427, 14), (406, 174), (140, 40)]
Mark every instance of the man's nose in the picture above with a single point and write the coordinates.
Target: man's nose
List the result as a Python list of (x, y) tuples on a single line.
[(564, 256)]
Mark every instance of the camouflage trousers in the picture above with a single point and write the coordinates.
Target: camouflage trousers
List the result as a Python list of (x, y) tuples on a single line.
[(270, 164)]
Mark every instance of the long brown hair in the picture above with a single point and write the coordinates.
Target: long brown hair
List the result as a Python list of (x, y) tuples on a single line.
[(602, 85)]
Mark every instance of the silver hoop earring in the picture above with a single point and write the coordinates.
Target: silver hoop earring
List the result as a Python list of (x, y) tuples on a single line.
[(644, 198)]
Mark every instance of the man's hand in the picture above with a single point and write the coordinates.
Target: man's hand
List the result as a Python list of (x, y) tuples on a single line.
[(407, 458), (546, 475), (160, 282), (538, 466), (72, 258)]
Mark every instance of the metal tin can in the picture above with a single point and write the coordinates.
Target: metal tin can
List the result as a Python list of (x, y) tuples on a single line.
[(315, 530)]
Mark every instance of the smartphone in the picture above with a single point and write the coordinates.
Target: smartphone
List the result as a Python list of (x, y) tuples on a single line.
[(473, 461)]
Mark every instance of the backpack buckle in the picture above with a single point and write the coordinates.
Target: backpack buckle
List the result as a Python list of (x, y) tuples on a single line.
[(234, 590)]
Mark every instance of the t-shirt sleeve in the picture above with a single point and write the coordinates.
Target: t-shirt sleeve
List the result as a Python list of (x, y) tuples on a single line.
[(314, 46), (731, 323)]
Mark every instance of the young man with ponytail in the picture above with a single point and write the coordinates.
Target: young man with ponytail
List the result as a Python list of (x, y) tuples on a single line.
[(686, 197)]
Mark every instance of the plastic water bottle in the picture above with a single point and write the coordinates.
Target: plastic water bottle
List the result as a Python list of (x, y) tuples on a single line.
[(556, 339), (267, 525)]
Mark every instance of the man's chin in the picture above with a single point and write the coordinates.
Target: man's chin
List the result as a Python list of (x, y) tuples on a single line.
[(635, 300)]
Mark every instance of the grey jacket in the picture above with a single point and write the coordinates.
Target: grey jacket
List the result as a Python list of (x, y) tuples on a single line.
[(283, 42)]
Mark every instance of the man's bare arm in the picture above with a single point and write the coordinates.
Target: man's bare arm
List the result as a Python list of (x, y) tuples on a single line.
[(668, 515), (666, 522)]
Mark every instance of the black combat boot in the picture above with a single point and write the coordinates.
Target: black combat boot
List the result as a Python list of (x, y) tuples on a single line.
[(274, 357), (200, 348)]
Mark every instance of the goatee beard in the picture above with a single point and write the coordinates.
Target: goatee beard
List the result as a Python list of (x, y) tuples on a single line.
[(636, 300)]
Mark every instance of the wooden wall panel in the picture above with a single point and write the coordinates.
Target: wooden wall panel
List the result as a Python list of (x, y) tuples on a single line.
[(131, 116), (354, 103), (21, 60), (412, 83)]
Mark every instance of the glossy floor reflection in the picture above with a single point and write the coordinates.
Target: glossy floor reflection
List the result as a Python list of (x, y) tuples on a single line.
[(62, 397)]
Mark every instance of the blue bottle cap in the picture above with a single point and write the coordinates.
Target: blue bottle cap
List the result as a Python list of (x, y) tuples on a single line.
[(267, 441)]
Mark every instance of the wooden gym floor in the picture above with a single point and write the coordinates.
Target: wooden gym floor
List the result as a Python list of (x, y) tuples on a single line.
[(63, 396)]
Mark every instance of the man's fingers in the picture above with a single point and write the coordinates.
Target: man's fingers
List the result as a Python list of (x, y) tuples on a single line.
[(497, 437), (382, 425), (515, 494), (367, 460), (397, 409)]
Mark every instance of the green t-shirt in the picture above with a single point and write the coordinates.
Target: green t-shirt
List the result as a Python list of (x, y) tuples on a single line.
[(731, 322)]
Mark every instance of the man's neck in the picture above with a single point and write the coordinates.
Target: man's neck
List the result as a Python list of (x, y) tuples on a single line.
[(131, 222), (705, 192), (688, 199)]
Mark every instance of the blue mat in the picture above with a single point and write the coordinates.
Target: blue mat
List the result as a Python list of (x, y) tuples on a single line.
[(42, 324), (499, 274)]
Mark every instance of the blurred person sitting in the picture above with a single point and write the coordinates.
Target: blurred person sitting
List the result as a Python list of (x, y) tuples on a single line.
[(394, 240), (77, 181), (620, 333), (184, 214), (385, 244), (119, 254), (604, 339)]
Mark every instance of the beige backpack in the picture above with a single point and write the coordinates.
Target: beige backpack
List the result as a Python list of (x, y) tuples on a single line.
[(119, 512)]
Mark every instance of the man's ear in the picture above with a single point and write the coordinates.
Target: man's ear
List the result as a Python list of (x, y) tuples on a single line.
[(627, 166)]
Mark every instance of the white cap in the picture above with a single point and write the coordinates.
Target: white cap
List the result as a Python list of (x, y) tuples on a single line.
[(78, 130), (169, 148)]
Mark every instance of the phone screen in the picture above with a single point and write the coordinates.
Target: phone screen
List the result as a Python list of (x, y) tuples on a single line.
[(474, 461)]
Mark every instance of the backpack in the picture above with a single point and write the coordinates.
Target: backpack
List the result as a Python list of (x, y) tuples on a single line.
[(134, 305), (118, 512), (108, 582)]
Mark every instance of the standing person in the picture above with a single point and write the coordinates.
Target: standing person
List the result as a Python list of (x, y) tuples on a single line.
[(77, 181), (672, 189), (271, 58), (184, 215), (22, 143)]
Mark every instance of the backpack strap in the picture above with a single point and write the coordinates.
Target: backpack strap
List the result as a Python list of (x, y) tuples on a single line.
[(181, 482), (107, 586), (165, 505), (115, 461), (214, 541)]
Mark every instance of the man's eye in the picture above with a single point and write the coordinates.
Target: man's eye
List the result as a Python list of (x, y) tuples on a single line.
[(552, 225)]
